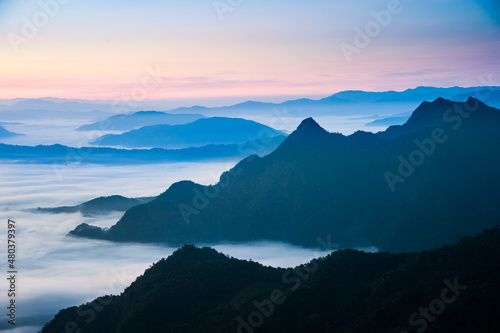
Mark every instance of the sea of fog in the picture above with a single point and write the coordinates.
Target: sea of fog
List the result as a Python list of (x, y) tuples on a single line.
[(62, 131), (55, 271)]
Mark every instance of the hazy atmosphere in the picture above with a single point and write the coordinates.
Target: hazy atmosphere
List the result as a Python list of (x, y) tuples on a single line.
[(207, 50), (334, 163), (52, 264)]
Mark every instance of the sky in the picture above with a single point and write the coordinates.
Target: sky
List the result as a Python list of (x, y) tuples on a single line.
[(217, 49)]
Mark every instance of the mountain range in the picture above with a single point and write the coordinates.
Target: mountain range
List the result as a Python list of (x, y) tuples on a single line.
[(37, 115), (350, 102), (64, 155), (97, 206), (353, 102), (396, 190), (60, 106), (449, 289), (140, 119), (390, 121), (490, 95), (202, 132)]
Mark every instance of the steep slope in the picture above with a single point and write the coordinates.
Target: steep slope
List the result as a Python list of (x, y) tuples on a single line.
[(174, 292), (451, 289), (435, 114), (420, 185), (140, 119), (216, 130)]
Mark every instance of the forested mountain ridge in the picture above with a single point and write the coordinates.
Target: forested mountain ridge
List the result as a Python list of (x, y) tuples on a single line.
[(450, 289), (406, 189)]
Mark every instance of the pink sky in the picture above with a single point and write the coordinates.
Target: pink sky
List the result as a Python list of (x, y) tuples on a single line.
[(104, 51)]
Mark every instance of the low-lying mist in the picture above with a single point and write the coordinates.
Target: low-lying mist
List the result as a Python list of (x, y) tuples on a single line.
[(62, 131), (55, 271)]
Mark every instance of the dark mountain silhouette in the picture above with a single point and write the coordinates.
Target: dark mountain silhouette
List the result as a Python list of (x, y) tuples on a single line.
[(450, 289), (101, 205), (420, 185), (216, 130), (425, 116), (140, 119), (59, 154), (6, 134)]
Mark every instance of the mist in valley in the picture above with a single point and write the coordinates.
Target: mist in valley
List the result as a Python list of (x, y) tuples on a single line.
[(56, 271)]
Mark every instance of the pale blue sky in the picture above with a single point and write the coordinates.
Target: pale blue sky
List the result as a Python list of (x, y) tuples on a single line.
[(101, 49)]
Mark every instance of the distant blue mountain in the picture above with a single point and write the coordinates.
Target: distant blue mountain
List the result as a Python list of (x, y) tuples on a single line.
[(98, 206), (43, 114), (342, 103), (490, 95), (390, 121), (6, 134), (350, 102), (40, 104), (216, 130), (140, 119), (418, 94), (59, 154)]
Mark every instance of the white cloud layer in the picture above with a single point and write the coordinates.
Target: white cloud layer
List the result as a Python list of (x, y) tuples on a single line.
[(56, 272)]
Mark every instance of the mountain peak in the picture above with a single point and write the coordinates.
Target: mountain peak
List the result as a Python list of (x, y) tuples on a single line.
[(433, 114), (187, 256), (309, 125), (474, 100), (427, 114), (308, 133)]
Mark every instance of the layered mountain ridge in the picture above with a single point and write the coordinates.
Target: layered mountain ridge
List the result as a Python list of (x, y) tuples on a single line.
[(201, 132), (395, 190), (450, 289), (97, 206), (140, 119)]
